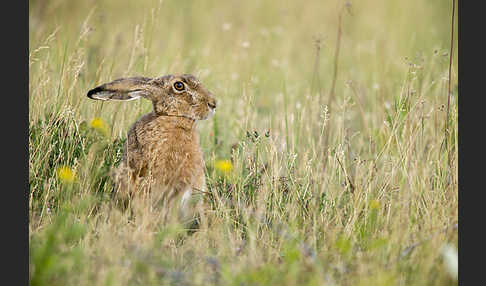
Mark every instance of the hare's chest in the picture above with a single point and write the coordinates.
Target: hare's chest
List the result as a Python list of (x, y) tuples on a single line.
[(173, 157), (168, 147)]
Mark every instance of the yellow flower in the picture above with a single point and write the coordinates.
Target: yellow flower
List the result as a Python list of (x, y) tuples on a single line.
[(224, 166), (66, 174), (99, 125), (374, 204)]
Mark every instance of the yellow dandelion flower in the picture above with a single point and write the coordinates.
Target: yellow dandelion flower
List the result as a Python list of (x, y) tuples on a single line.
[(66, 174), (374, 204), (99, 125), (224, 166)]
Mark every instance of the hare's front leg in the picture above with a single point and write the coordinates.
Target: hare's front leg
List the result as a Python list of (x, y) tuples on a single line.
[(191, 198), (123, 185)]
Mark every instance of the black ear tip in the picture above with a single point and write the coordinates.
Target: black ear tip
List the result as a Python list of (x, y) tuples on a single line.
[(93, 91)]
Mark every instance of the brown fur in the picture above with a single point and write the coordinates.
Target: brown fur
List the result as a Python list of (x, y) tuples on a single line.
[(162, 154)]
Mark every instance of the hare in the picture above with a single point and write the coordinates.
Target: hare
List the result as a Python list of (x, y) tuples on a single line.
[(162, 154)]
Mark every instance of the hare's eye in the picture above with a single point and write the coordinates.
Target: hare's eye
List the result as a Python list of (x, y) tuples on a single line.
[(178, 85)]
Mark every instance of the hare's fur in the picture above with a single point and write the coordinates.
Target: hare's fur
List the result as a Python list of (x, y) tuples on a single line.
[(162, 154)]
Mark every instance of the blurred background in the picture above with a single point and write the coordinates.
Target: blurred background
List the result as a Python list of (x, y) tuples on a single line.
[(238, 47)]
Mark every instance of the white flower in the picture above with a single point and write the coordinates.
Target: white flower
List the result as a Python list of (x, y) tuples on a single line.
[(265, 32), (245, 44), (226, 26), (449, 253), (387, 105)]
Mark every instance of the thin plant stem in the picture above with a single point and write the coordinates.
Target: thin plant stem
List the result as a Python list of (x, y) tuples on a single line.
[(446, 130), (332, 92)]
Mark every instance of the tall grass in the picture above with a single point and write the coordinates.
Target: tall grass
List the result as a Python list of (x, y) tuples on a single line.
[(375, 205)]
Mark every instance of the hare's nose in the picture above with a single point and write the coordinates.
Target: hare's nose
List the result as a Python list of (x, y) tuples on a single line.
[(212, 104)]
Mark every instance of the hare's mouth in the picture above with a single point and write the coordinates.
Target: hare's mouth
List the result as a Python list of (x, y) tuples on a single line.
[(210, 113), (211, 108)]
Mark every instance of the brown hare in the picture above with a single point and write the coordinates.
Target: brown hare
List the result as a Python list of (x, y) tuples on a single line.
[(162, 154)]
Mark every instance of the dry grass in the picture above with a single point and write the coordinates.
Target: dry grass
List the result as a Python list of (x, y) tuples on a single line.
[(377, 207)]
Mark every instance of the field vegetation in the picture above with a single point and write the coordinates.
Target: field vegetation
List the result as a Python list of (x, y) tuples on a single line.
[(331, 159)]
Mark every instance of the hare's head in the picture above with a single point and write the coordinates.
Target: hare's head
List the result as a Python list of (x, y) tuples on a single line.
[(173, 95)]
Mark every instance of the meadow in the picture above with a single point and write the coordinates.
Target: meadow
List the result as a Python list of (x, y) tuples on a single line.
[(331, 158)]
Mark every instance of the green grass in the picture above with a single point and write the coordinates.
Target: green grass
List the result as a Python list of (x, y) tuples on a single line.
[(377, 207)]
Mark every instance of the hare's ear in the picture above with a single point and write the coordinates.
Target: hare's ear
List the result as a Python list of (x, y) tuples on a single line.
[(123, 89)]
